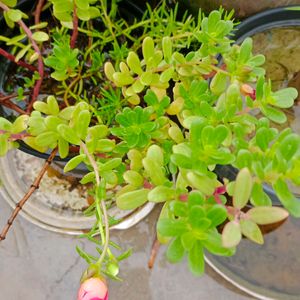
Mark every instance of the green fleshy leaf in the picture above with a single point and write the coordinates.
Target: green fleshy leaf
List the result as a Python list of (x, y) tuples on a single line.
[(14, 14), (242, 188), (289, 201), (188, 240), (274, 114), (251, 231), (63, 148), (217, 214), (132, 200), (154, 171), (89, 177), (204, 184), (161, 194), (133, 178), (218, 83), (74, 162), (3, 144), (245, 51), (148, 48), (195, 198), (82, 123), (20, 124), (10, 3), (170, 228), (213, 243), (196, 259), (46, 139), (175, 252), (134, 63), (52, 104), (179, 208), (167, 48), (284, 98), (68, 134), (40, 36), (259, 197), (231, 235), (263, 215)]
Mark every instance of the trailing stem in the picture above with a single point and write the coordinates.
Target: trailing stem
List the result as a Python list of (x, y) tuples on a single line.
[(75, 29), (9, 104), (105, 238), (36, 48), (19, 63), (6, 101), (31, 190), (37, 13)]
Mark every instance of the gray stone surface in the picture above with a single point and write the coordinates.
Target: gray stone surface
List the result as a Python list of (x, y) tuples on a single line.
[(40, 265)]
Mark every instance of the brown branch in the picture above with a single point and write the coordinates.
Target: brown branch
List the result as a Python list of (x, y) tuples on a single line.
[(154, 251), (75, 29), (9, 104), (37, 13), (31, 190), (19, 63)]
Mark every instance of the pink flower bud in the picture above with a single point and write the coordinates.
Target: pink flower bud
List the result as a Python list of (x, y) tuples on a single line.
[(93, 289), (248, 90)]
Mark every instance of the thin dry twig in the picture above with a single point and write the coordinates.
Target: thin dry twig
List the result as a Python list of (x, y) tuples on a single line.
[(154, 251), (31, 190)]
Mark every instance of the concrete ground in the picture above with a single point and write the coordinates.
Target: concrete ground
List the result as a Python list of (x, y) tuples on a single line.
[(40, 265)]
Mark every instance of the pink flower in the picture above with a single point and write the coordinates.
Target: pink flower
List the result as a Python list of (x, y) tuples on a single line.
[(93, 289)]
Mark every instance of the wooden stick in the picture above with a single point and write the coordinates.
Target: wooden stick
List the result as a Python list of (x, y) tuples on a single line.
[(31, 190)]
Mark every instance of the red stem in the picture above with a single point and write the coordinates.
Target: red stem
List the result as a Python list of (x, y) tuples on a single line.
[(13, 106), (19, 63), (15, 136), (75, 29), (37, 12), (37, 86), (36, 48)]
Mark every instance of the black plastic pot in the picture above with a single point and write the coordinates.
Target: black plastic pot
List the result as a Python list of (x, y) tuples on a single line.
[(127, 9), (274, 18), (242, 8)]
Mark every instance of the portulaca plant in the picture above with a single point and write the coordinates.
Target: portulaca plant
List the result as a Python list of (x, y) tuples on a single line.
[(152, 107)]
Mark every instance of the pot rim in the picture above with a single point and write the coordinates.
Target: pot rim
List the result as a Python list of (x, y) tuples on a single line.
[(283, 16)]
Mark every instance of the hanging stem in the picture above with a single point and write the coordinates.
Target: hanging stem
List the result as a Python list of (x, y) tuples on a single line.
[(19, 63), (102, 203), (9, 104), (31, 190), (75, 29), (37, 13)]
